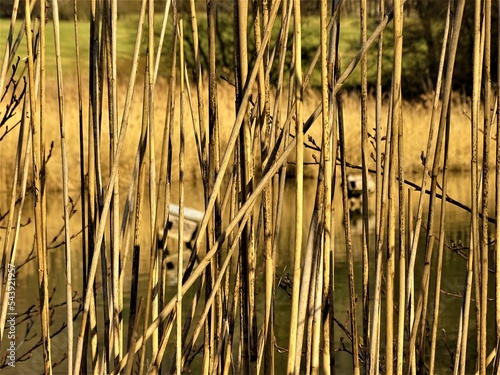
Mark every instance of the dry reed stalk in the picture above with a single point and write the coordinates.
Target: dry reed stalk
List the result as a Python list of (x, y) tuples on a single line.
[(199, 126), (278, 126), (497, 216), (439, 270), (10, 48), (333, 65), (402, 224), (166, 177), (402, 253), (476, 175), (148, 102), (181, 207), (66, 201), (234, 308), (308, 304), (308, 280), (316, 300), (261, 18), (166, 10), (395, 163), (328, 162), (106, 77), (43, 116), (391, 222), (410, 305), (92, 148), (460, 356), (201, 130), (81, 134), (378, 126), (213, 227), (138, 213), (83, 199), (92, 331), (279, 180), (348, 240), (364, 168), (116, 291), (373, 336), (102, 15), (248, 239), (116, 299), (375, 329), (317, 312), (246, 172), (37, 191), (299, 171), (484, 245), (402, 261), (426, 161), (107, 197), (151, 79), (228, 355)]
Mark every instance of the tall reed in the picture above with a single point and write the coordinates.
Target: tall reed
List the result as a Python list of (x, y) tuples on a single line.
[(222, 314), (36, 125), (65, 173)]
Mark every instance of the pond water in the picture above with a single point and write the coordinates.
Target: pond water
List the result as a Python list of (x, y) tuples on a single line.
[(454, 266)]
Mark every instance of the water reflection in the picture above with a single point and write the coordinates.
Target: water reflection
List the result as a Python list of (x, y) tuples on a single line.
[(457, 232)]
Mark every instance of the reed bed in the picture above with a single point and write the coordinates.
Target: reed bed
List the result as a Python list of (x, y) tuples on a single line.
[(120, 151)]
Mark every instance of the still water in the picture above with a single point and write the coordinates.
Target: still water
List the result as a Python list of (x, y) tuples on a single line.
[(454, 266)]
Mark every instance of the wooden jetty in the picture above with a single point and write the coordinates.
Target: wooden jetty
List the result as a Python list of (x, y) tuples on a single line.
[(355, 189), (192, 220)]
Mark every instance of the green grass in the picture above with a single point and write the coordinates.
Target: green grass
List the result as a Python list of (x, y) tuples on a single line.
[(415, 49), (124, 47)]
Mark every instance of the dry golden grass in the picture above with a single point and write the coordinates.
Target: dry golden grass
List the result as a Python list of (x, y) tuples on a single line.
[(416, 130), (416, 118)]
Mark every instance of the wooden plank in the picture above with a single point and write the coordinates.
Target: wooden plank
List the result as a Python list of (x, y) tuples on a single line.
[(192, 219)]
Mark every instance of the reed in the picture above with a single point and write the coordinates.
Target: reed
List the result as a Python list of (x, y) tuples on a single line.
[(497, 229), (67, 207), (266, 284)]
